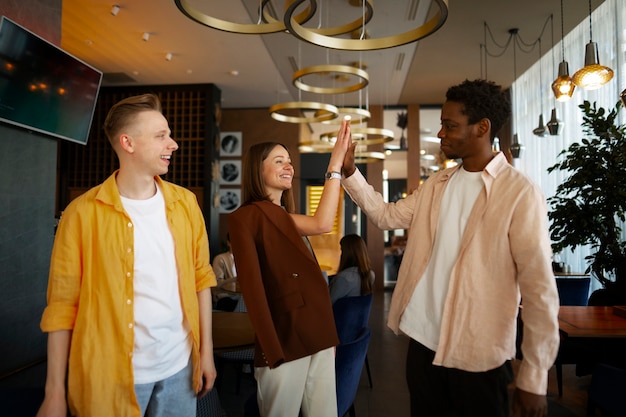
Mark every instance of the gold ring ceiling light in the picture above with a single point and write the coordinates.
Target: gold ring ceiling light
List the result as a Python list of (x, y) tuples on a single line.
[(329, 69), (317, 36), (325, 37), (271, 26), (278, 112)]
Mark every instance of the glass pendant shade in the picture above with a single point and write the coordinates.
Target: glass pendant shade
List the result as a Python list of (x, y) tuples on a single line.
[(563, 87), (554, 124), (516, 147), (540, 130), (593, 75)]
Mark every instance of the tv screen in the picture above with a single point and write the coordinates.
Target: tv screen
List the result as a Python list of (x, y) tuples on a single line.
[(42, 87)]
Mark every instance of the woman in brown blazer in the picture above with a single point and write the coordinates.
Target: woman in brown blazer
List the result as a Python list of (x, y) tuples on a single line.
[(283, 287)]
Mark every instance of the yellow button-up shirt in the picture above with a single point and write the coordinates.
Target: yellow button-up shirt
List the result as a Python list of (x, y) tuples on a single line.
[(90, 292), (505, 252)]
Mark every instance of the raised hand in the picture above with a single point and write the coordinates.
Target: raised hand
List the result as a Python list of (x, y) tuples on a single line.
[(342, 145)]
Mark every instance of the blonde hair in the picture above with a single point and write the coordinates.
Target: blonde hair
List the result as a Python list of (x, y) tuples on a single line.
[(123, 112)]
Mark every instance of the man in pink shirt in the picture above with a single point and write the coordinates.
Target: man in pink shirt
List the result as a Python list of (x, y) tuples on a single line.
[(478, 245)]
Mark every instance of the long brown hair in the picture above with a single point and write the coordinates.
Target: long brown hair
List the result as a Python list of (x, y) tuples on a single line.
[(252, 176), (354, 253)]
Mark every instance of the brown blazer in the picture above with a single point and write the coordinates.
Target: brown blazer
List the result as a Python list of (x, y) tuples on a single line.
[(283, 287)]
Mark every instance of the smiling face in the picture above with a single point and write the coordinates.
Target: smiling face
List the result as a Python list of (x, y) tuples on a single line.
[(152, 144), (277, 172), (459, 139)]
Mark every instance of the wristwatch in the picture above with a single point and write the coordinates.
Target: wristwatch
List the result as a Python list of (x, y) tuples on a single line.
[(333, 175)]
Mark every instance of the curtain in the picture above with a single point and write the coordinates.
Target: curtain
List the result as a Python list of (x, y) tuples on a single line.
[(532, 96)]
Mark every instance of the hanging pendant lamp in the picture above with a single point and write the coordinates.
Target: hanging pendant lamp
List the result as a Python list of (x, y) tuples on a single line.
[(516, 147), (540, 130), (563, 87), (593, 75), (554, 124)]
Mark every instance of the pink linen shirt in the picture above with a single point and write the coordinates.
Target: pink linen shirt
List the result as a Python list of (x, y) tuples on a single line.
[(90, 292), (505, 254)]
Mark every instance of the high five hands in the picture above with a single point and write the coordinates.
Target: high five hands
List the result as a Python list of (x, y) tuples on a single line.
[(343, 148)]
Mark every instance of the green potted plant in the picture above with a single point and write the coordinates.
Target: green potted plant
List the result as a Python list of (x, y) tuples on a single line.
[(589, 206)]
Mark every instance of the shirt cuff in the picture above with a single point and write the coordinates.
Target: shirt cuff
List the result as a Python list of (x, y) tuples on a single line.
[(531, 379)]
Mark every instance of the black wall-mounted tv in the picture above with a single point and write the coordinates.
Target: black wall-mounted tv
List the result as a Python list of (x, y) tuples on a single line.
[(42, 87)]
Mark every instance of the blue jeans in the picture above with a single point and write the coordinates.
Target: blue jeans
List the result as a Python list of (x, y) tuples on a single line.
[(173, 396)]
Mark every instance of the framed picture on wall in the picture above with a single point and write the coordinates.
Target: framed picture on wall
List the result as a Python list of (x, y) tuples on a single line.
[(230, 199), (230, 144), (230, 172)]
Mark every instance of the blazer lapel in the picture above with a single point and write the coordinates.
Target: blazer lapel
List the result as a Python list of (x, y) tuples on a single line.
[(285, 225)]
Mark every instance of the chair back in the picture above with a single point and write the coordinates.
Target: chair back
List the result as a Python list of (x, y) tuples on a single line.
[(352, 316), (210, 405), (241, 306), (606, 391), (349, 361), (573, 291)]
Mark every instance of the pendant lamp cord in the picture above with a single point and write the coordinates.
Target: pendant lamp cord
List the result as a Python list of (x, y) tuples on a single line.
[(562, 35), (590, 30)]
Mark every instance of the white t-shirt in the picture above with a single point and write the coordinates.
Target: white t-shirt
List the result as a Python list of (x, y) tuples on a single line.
[(162, 338), (421, 319)]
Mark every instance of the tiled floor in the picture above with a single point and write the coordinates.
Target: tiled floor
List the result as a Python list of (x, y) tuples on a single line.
[(389, 396)]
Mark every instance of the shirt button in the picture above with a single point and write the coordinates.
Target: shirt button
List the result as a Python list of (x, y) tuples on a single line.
[(130, 224), (128, 275), (128, 250), (129, 301), (294, 275), (130, 325)]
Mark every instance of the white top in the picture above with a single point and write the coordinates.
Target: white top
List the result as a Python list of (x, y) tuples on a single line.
[(162, 339), (422, 318)]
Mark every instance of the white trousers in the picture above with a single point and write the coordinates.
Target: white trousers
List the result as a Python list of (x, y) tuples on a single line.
[(306, 384)]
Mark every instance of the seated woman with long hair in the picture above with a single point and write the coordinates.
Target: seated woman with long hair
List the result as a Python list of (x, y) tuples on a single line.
[(355, 276)]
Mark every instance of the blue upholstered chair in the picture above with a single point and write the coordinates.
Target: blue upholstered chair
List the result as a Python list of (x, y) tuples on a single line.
[(572, 292), (238, 358), (606, 391), (349, 362), (210, 405), (351, 317)]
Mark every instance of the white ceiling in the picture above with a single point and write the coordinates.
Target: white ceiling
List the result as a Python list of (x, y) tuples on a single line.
[(255, 71)]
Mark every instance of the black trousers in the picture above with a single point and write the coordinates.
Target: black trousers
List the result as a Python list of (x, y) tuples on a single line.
[(438, 391)]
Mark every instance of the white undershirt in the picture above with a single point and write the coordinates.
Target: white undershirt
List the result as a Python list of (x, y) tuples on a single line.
[(421, 319), (162, 339)]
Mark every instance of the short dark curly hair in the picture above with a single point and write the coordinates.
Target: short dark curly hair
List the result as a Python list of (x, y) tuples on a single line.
[(482, 99)]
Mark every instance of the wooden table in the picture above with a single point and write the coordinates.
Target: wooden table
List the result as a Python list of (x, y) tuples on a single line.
[(232, 331), (591, 322), (571, 275)]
